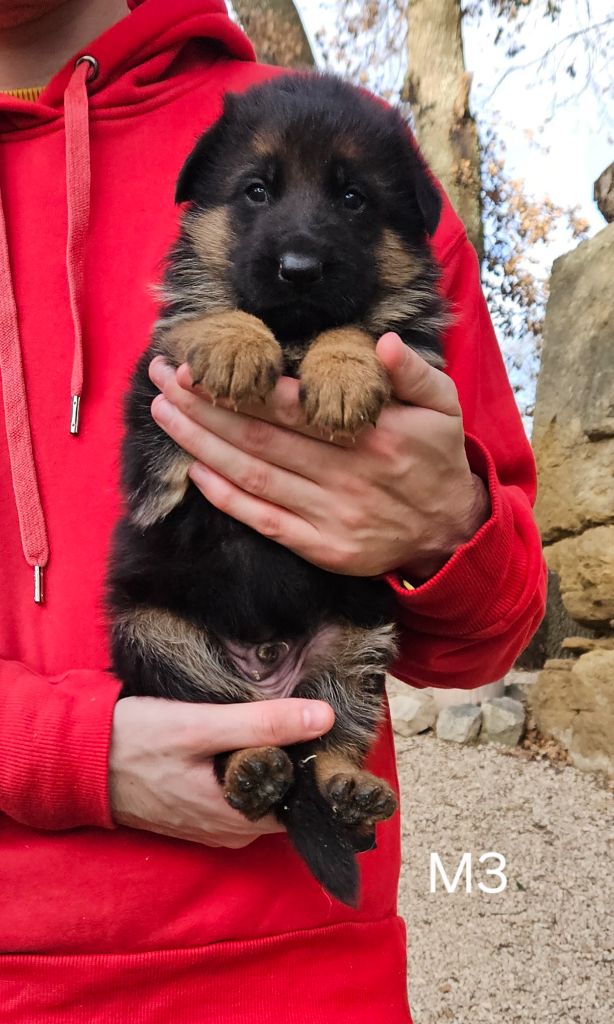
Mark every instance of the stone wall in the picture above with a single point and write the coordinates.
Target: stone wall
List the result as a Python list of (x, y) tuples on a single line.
[(573, 440)]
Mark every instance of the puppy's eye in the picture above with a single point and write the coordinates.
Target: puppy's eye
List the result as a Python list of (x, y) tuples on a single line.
[(353, 200), (257, 193)]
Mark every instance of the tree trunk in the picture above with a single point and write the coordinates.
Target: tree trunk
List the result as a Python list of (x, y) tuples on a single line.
[(276, 31), (437, 88)]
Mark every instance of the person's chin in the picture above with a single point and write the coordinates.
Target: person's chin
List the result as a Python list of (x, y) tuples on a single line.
[(14, 13)]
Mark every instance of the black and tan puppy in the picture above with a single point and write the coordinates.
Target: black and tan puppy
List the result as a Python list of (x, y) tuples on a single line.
[(304, 239)]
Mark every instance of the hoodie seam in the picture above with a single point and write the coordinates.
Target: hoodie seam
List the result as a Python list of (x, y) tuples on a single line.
[(56, 124)]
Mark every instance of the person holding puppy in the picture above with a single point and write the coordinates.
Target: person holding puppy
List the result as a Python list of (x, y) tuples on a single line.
[(129, 888)]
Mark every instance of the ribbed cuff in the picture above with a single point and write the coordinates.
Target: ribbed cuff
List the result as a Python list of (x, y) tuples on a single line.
[(479, 585), (55, 737)]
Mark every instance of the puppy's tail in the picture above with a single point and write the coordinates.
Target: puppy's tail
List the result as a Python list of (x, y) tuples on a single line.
[(327, 846)]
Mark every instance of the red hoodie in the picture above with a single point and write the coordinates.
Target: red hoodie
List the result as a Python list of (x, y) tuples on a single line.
[(104, 924)]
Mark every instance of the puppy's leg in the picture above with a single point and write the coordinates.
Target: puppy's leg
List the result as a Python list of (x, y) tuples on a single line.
[(154, 469), (331, 812), (343, 384), (255, 779), (160, 654), (234, 353), (154, 496), (352, 682), (357, 798)]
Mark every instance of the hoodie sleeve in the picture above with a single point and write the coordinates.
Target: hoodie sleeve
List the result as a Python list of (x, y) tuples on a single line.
[(467, 624), (55, 743)]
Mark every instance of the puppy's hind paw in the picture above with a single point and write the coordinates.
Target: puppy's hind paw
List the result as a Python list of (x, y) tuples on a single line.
[(256, 779), (360, 799)]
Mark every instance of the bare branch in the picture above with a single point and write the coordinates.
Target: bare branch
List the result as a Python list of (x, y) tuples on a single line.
[(541, 61)]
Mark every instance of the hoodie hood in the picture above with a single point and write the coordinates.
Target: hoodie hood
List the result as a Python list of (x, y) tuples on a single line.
[(139, 59), (134, 66)]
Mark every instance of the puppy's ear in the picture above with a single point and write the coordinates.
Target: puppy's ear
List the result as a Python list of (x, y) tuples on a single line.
[(195, 167), (427, 196), (194, 171)]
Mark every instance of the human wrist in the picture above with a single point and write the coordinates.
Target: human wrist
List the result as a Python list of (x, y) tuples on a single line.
[(454, 535)]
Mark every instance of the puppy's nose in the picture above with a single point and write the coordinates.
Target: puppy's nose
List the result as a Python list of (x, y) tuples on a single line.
[(299, 268)]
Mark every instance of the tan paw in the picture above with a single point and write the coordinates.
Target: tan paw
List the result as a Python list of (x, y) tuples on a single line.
[(360, 799), (256, 779), (236, 356), (342, 393)]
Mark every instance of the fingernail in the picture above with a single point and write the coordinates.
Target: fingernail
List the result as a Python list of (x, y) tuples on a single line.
[(198, 473), (317, 717), (392, 334), (160, 371), (161, 410)]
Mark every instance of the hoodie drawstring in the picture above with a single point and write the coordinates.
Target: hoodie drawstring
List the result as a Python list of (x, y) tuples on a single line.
[(23, 469), (30, 513), (78, 196)]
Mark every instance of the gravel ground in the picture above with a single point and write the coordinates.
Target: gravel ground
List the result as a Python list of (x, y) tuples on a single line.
[(541, 951)]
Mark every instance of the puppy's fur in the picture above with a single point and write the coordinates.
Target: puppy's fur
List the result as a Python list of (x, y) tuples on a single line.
[(303, 240)]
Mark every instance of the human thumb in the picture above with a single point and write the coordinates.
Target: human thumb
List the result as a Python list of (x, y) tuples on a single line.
[(415, 381), (277, 723)]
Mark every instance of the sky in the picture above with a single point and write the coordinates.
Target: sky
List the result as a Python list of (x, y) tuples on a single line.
[(575, 139), (558, 130), (559, 149)]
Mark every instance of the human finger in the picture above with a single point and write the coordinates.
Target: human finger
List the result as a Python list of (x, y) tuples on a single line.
[(255, 476), (282, 446), (217, 728), (281, 407), (272, 521), (414, 380)]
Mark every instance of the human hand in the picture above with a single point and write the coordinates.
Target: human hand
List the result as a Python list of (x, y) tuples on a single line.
[(160, 769), (402, 496)]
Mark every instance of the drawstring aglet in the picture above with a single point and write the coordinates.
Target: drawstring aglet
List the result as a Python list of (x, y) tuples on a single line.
[(38, 584), (74, 414)]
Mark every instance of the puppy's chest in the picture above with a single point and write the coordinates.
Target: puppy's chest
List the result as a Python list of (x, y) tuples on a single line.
[(293, 353)]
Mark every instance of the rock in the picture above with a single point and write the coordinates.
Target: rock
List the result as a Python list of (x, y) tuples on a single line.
[(582, 644), (503, 721), (585, 567), (516, 677), (516, 692), (445, 698), (459, 723), (555, 626), (561, 664), (516, 684), (604, 193), (574, 704), (395, 686), (412, 712), (573, 431)]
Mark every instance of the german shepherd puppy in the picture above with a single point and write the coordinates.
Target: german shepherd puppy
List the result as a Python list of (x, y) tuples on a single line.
[(303, 240)]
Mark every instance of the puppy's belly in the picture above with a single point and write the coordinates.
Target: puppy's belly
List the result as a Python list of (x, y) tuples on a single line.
[(276, 667)]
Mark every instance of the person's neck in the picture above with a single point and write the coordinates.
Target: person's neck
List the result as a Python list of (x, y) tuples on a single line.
[(31, 54)]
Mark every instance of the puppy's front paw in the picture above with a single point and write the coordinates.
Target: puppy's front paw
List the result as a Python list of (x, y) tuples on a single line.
[(360, 799), (256, 779), (343, 384), (236, 356)]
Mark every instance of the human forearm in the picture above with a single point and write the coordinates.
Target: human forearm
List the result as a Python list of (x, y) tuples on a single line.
[(450, 532), (466, 625)]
